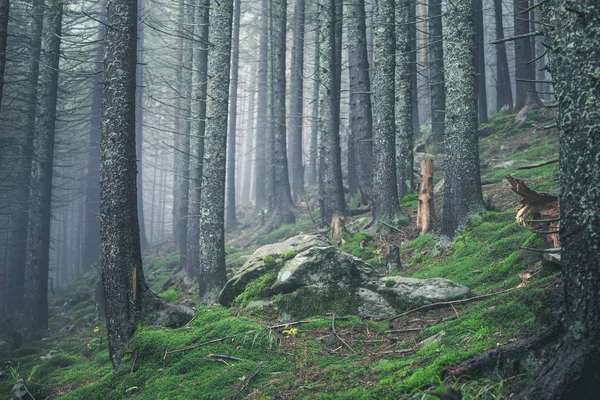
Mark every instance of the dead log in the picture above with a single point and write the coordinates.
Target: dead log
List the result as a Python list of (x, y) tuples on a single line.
[(425, 211)]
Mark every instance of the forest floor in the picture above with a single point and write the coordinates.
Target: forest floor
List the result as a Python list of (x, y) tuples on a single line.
[(229, 353)]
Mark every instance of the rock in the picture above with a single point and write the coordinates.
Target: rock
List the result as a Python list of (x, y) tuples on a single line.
[(406, 293), (317, 278), (5, 349)]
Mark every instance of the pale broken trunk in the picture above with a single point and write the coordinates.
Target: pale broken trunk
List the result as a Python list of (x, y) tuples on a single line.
[(425, 211)]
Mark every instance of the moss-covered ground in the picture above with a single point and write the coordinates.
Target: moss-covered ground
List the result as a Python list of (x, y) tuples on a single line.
[(227, 353)]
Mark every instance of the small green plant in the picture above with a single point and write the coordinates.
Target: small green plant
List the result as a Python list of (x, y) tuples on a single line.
[(390, 283), (269, 259), (289, 254)]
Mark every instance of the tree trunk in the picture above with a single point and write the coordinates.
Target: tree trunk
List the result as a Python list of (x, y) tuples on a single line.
[(249, 140), (462, 188), (283, 207), (412, 16), (199, 82), (139, 126), (480, 63), (38, 231), (331, 191), (4, 12), (261, 108), (314, 135), (296, 101), (127, 298), (504, 97), (386, 207), (212, 201), (574, 57), (425, 211), (527, 98), (92, 200), (230, 219), (403, 104), (19, 221), (436, 72), (361, 117)]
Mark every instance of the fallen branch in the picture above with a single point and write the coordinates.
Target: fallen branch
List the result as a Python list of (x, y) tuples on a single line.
[(404, 330), (554, 250), (391, 226), (446, 303), (338, 336), (517, 37), (247, 383), (531, 221), (225, 357), (547, 232), (555, 160)]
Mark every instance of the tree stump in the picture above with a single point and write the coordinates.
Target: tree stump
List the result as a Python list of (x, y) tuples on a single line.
[(426, 211)]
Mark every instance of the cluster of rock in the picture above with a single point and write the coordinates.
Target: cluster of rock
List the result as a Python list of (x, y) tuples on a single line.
[(305, 275)]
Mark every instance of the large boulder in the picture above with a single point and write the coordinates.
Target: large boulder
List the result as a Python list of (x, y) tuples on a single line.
[(306, 275)]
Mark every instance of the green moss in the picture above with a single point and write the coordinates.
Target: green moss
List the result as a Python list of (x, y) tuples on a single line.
[(361, 245), (289, 255), (171, 295), (255, 290), (306, 302), (269, 259)]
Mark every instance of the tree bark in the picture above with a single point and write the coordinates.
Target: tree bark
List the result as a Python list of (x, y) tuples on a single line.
[(574, 56), (403, 103), (462, 188), (250, 146), (331, 191), (296, 101), (127, 297), (425, 211), (38, 231), (261, 110), (480, 63), (212, 201), (200, 82), (4, 12), (314, 135), (139, 126), (19, 221), (283, 207), (436, 71), (230, 219), (361, 117), (526, 97), (504, 96)]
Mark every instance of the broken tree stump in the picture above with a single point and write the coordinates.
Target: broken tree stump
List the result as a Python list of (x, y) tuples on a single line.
[(543, 207), (425, 212)]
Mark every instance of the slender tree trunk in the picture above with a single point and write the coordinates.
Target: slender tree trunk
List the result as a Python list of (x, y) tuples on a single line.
[(504, 95), (480, 63), (38, 235), (527, 98), (250, 149), (386, 207), (184, 156), (462, 189), (230, 219), (212, 200), (361, 117), (572, 372), (296, 101), (179, 120), (261, 108), (92, 201), (153, 204), (403, 104), (331, 191), (412, 10), (19, 222), (436, 71), (283, 206), (200, 82), (314, 135), (139, 126)]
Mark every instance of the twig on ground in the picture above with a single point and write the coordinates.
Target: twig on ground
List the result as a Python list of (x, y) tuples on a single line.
[(338, 336), (225, 357), (445, 303), (247, 382)]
